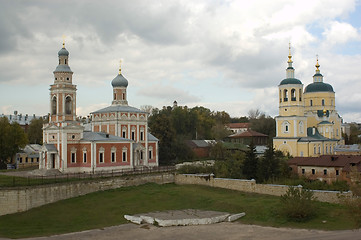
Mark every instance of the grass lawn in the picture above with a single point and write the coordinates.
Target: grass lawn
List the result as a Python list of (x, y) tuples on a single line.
[(102, 209)]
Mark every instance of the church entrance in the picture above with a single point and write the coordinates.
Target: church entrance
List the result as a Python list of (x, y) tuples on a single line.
[(52, 159)]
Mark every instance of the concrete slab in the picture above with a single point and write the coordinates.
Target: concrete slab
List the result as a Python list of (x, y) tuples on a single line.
[(183, 217)]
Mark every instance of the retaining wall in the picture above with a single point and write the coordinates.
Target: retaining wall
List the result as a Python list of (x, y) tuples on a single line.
[(24, 198), (252, 187)]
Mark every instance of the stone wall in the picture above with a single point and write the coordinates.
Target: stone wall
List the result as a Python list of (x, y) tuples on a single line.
[(252, 187), (24, 198)]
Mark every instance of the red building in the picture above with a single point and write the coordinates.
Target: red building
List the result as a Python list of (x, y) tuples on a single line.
[(119, 137), (327, 168)]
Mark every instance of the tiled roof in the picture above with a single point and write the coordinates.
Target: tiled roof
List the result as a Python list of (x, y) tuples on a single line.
[(344, 161), (248, 133)]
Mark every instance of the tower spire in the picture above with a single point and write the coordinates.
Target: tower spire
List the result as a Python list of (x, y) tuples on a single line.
[(317, 64), (318, 76), (120, 66), (290, 71), (289, 53), (63, 40)]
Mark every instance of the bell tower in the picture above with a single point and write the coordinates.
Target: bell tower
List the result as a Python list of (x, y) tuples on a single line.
[(63, 91)]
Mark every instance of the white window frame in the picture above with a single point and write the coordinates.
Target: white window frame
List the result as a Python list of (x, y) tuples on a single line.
[(113, 151), (73, 153), (124, 154), (101, 153)]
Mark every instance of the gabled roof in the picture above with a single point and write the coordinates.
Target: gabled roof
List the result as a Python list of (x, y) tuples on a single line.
[(50, 148), (344, 161), (151, 137), (248, 133)]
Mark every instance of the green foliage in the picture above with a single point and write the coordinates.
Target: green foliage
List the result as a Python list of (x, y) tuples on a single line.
[(262, 123), (250, 164), (12, 138), (194, 169), (35, 131), (297, 204), (354, 204), (173, 125)]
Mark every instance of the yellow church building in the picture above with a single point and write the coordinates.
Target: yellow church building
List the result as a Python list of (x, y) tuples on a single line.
[(308, 124)]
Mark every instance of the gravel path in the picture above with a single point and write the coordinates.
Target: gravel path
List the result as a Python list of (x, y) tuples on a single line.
[(229, 231)]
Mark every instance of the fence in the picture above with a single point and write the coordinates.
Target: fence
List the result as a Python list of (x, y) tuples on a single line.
[(15, 181)]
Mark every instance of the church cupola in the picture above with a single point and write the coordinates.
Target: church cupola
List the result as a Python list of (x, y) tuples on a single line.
[(318, 76), (318, 85), (120, 84), (290, 91), (63, 92)]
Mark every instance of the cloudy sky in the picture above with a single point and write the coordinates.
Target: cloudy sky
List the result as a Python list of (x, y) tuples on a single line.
[(223, 55)]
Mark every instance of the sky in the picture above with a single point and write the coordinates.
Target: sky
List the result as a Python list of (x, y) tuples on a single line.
[(223, 55)]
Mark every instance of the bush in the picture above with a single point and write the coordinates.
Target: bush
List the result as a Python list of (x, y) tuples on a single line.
[(297, 204)]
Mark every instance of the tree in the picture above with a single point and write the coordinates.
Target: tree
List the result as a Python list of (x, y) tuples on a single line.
[(12, 138), (35, 131), (297, 204), (269, 166), (250, 163)]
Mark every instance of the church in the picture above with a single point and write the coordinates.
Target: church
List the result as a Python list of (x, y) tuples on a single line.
[(119, 136), (308, 124)]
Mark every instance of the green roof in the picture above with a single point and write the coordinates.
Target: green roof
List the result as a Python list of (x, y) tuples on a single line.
[(290, 81), (319, 87)]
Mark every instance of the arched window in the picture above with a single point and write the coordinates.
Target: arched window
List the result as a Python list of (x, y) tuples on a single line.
[(280, 96), (115, 96), (65, 61), (68, 105), (285, 95), (300, 92), (323, 102), (53, 105), (293, 94), (310, 102)]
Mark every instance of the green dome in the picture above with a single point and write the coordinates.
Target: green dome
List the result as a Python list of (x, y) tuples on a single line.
[(319, 87), (290, 81)]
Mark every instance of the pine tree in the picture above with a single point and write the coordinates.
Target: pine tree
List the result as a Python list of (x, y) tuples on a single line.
[(250, 163)]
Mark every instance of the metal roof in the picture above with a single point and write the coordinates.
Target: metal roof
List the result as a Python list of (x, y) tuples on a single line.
[(290, 81), (62, 68), (119, 108), (101, 136)]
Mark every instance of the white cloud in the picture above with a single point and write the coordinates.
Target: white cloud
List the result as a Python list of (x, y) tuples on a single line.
[(228, 55), (340, 33)]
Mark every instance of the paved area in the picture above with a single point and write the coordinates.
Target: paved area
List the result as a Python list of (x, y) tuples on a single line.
[(224, 230)]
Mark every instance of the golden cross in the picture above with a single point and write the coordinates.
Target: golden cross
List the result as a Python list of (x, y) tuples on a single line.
[(120, 66), (63, 40)]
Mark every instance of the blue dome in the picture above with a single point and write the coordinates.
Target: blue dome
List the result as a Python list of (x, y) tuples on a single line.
[(290, 81), (120, 81), (63, 52), (318, 87)]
